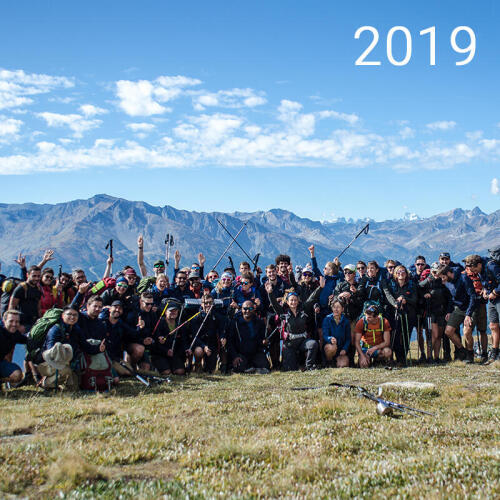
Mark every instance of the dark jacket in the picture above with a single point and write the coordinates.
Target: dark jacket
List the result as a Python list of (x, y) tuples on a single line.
[(462, 291), (245, 337), (72, 336), (331, 283), (441, 302), (493, 278), (353, 306), (9, 340)]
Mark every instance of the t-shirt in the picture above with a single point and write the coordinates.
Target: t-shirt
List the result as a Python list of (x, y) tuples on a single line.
[(372, 334), (28, 296)]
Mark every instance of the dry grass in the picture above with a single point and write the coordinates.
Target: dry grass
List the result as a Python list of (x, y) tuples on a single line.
[(253, 436)]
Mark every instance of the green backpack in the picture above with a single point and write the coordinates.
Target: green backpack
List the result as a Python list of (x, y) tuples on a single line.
[(40, 329), (146, 284)]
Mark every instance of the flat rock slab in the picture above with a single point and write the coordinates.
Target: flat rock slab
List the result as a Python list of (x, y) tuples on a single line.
[(408, 384)]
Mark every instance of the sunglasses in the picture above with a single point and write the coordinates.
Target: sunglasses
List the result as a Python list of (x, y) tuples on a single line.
[(347, 271), (307, 275), (226, 279), (247, 308), (420, 264), (122, 286), (360, 268), (157, 266), (245, 282), (390, 267)]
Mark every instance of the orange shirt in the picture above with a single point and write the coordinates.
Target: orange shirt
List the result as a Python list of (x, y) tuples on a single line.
[(372, 334)]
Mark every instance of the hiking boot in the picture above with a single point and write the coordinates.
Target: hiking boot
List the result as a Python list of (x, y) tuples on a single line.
[(460, 354), (447, 358), (484, 358), (469, 357), (494, 355), (250, 370), (422, 359)]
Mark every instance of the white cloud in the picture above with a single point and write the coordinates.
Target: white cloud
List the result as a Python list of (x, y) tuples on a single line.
[(349, 118), (9, 126), (495, 187), (234, 98), (143, 98), (407, 133), (18, 87), (89, 110), (442, 125), (140, 127), (75, 122)]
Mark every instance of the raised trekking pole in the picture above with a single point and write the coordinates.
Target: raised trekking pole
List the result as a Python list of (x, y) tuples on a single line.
[(229, 246), (231, 263), (110, 246), (255, 262), (363, 231), (169, 242), (234, 239)]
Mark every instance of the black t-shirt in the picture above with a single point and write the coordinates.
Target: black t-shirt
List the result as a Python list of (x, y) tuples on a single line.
[(29, 297)]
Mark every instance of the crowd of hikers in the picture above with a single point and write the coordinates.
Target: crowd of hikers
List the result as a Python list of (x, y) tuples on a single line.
[(90, 334)]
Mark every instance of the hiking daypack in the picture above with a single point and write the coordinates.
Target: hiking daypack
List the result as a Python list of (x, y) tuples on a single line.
[(495, 254), (8, 286), (104, 284), (146, 284), (96, 372), (39, 331)]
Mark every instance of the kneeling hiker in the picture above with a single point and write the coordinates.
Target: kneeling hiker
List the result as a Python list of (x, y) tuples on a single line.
[(296, 319), (373, 337), (9, 337), (336, 335), (60, 352), (246, 340)]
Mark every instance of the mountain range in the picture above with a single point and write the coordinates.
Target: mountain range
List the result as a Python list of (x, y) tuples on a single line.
[(79, 230)]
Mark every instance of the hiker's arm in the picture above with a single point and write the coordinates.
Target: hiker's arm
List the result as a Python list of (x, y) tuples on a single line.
[(201, 261), (48, 255), (140, 256), (388, 294), (107, 271)]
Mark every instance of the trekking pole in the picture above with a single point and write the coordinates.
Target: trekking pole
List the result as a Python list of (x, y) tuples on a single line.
[(408, 336), (201, 326), (110, 246), (234, 239), (229, 246), (185, 322), (231, 263), (169, 242), (364, 230), (159, 319), (255, 261)]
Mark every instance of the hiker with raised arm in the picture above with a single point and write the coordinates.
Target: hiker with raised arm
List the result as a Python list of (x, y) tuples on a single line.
[(297, 322)]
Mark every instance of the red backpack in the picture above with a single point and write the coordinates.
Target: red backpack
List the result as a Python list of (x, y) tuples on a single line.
[(96, 372)]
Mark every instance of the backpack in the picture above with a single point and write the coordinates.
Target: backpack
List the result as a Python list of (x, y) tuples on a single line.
[(495, 254), (39, 331), (146, 284), (8, 286), (96, 372)]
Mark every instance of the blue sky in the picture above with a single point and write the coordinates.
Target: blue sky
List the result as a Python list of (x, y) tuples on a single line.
[(249, 106)]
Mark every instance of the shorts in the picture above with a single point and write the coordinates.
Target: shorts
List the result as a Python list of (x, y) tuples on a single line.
[(164, 363), (479, 317), (494, 311), (7, 369), (439, 319), (365, 348), (456, 318)]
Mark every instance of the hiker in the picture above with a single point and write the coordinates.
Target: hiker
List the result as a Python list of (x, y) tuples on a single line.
[(168, 351), (361, 269), (206, 329), (245, 291), (445, 260), (419, 271), (119, 292), (58, 359), (336, 330), (464, 302), (283, 271), (195, 284), (271, 315), (307, 283), (332, 276), (50, 296), (144, 319), (180, 290), (64, 289), (160, 290), (402, 298), (158, 266), (118, 335), (475, 269), (373, 337), (493, 295), (26, 297), (246, 341), (297, 323), (374, 289), (351, 296), (223, 290), (10, 335), (438, 303)]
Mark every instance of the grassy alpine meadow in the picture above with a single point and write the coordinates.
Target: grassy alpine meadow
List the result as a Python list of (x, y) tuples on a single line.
[(252, 436)]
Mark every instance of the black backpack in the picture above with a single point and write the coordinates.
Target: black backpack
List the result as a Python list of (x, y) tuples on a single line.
[(8, 286)]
